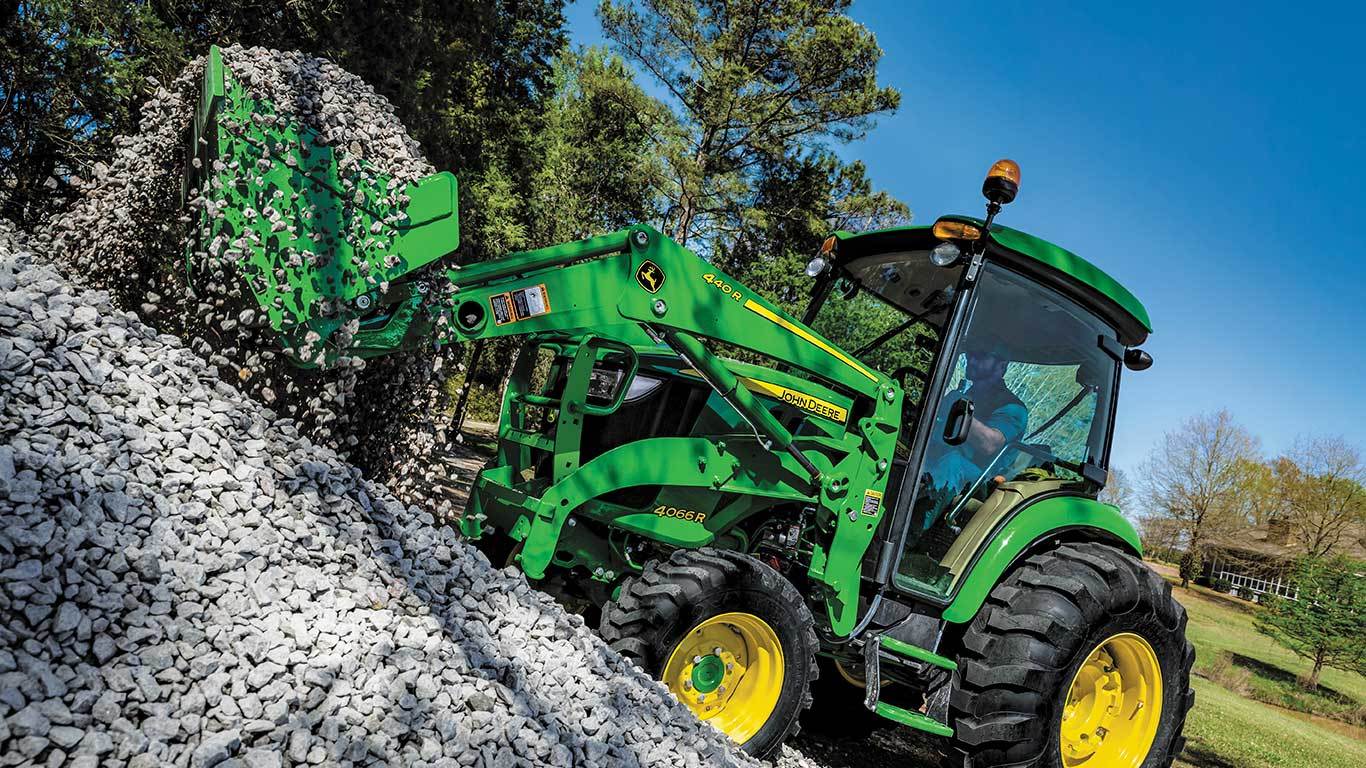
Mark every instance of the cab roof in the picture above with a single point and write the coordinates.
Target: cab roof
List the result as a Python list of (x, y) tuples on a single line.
[(1053, 264)]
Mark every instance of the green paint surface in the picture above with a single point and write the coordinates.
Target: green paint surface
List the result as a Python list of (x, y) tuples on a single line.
[(313, 237), (708, 673), (1049, 255), (916, 652), (912, 719)]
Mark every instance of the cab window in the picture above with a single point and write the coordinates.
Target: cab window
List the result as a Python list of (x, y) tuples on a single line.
[(1031, 372), (888, 310)]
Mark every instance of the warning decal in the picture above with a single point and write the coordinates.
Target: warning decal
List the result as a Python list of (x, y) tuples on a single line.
[(502, 309), (872, 501), (531, 302), (521, 304)]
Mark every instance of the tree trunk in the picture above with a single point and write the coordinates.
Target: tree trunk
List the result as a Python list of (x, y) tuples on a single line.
[(458, 418), (1190, 565), (1314, 675), (685, 218)]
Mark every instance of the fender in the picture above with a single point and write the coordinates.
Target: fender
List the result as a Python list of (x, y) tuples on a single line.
[(1079, 516)]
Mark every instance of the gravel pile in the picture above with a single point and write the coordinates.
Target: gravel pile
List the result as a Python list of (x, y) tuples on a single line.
[(185, 580), (191, 570)]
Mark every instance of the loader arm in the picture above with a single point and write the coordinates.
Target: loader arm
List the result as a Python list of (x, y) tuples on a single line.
[(638, 288), (342, 260)]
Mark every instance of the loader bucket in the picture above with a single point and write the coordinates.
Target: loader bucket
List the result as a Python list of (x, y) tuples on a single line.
[(330, 249)]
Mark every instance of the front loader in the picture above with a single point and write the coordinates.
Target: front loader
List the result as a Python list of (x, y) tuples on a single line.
[(898, 488)]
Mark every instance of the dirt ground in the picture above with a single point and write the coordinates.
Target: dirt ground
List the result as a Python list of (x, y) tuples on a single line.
[(888, 747)]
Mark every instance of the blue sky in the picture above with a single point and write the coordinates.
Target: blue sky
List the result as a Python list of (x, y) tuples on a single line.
[(1206, 155)]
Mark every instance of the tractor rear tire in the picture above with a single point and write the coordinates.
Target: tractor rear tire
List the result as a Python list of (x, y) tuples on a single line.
[(1062, 666), (680, 610)]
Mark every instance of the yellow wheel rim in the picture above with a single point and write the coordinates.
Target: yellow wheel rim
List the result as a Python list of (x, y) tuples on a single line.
[(729, 671), (1113, 706)]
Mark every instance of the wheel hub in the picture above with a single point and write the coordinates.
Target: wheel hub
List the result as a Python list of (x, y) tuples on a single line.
[(1113, 705), (708, 673)]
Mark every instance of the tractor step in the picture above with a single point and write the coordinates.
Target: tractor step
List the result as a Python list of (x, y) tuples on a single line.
[(880, 647), (913, 719), (901, 648)]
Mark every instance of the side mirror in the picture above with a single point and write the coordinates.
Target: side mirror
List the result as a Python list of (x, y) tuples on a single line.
[(1137, 360), (959, 423)]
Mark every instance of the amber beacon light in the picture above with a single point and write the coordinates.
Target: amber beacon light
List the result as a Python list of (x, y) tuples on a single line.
[(1002, 183)]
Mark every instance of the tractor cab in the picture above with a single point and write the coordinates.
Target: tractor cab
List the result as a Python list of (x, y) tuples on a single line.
[(1009, 352)]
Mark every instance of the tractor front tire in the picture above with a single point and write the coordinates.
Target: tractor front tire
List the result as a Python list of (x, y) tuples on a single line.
[(729, 636), (1078, 659)]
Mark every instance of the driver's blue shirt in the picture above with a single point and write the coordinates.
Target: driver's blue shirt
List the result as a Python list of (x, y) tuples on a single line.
[(959, 466)]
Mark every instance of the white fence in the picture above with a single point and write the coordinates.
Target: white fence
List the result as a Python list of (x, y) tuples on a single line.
[(1257, 585)]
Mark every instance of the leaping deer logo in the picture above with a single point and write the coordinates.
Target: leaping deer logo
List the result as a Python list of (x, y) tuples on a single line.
[(650, 277)]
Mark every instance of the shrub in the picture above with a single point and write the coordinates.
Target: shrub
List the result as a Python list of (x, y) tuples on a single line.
[(1229, 675)]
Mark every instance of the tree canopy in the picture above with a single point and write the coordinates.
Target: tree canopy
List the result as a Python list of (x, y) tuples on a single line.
[(752, 85), (1198, 477), (467, 77), (1322, 498)]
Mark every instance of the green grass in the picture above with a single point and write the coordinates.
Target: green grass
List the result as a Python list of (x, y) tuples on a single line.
[(1230, 729), (1223, 625)]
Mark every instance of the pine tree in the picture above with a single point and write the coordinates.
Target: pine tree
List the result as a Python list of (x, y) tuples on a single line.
[(1326, 623), (752, 84)]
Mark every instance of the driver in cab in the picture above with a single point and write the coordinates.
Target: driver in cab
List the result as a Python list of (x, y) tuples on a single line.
[(999, 419)]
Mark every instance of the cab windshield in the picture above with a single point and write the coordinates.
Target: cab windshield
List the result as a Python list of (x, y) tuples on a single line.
[(889, 311)]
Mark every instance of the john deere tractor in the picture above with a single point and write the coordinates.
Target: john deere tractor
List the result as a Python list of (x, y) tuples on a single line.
[(899, 487)]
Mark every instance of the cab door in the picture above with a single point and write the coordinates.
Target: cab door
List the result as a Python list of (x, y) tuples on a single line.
[(1027, 394)]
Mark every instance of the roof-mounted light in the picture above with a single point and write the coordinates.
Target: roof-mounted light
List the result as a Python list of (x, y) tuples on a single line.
[(1002, 183), (821, 262), (948, 229)]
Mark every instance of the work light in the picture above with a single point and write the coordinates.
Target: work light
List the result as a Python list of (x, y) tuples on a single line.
[(945, 255)]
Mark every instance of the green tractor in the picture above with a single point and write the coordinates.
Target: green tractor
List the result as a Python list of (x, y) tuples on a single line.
[(900, 487)]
